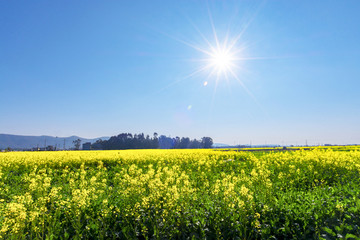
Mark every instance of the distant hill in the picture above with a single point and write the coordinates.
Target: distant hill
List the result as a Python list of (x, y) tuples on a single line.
[(220, 145), (28, 142)]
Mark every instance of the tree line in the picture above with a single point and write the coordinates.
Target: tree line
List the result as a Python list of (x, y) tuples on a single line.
[(142, 141)]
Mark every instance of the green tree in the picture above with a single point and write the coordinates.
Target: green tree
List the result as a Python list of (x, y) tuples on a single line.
[(77, 143), (206, 142)]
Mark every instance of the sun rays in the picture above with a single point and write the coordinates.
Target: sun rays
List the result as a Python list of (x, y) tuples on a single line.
[(221, 60), (220, 56)]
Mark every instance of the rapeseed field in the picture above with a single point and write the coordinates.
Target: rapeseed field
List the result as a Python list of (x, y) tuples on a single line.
[(180, 194)]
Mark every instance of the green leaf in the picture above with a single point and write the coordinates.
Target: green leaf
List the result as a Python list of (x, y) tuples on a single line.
[(331, 232), (349, 227), (349, 235)]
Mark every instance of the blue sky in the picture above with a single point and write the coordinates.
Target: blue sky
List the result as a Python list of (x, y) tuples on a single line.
[(100, 68)]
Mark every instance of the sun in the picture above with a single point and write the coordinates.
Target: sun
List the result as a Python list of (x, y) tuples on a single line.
[(221, 57), (222, 60)]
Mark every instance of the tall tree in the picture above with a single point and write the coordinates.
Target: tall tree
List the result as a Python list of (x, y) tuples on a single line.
[(206, 142), (77, 143), (184, 142)]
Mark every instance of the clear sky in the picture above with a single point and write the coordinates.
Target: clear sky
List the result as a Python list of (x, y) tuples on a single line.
[(100, 68)]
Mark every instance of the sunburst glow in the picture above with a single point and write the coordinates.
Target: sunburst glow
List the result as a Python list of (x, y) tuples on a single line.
[(222, 57), (222, 60)]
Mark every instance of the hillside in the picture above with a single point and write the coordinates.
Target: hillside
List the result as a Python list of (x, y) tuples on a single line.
[(28, 142)]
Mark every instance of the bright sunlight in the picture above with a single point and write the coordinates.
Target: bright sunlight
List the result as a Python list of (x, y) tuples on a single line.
[(221, 60)]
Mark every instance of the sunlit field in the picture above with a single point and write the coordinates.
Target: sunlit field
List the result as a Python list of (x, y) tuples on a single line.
[(180, 194)]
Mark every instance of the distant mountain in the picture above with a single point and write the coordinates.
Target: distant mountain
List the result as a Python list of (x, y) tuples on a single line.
[(220, 145), (28, 142)]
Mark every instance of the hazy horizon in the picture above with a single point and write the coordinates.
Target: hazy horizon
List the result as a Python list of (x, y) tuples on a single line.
[(240, 72), (309, 142)]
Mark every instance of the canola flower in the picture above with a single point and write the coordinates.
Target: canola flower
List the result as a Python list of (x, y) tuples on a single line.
[(164, 194)]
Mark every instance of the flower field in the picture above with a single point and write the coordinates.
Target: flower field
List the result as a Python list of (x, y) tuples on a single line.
[(180, 194)]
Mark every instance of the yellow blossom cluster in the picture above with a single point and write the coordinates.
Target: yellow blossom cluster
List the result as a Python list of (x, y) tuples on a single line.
[(130, 192)]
